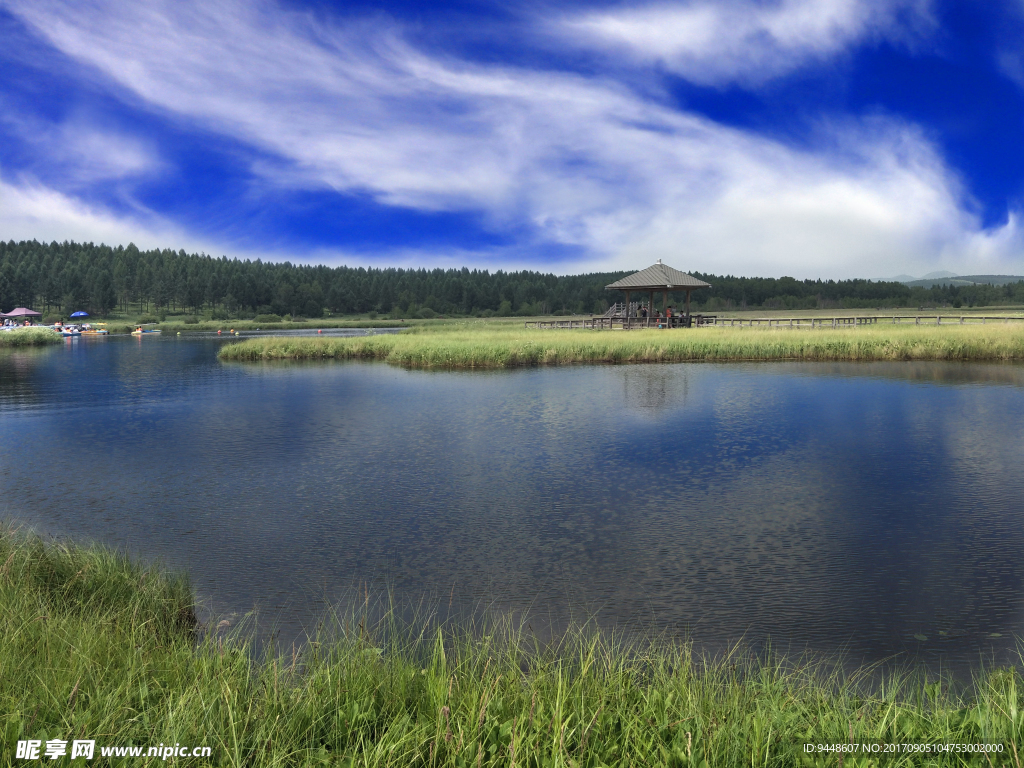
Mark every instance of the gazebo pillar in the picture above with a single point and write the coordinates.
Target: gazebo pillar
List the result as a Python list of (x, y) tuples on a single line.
[(664, 306), (650, 309), (626, 325)]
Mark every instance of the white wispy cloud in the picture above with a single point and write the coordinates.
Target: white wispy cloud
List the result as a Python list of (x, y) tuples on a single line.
[(96, 155), (713, 42), (32, 210), (570, 159), (81, 153)]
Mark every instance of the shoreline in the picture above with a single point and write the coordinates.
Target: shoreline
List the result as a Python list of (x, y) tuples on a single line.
[(115, 653), (454, 347)]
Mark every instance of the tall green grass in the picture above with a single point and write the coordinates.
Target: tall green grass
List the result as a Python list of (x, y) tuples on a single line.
[(29, 337), (97, 646), (491, 347)]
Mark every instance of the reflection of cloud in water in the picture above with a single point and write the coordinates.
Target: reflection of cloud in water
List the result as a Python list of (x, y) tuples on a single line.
[(650, 390), (17, 374), (825, 508), (1008, 373)]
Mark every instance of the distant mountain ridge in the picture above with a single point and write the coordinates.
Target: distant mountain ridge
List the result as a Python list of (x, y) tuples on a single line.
[(951, 278)]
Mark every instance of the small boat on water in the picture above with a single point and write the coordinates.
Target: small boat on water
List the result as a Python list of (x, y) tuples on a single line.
[(141, 331), (72, 329)]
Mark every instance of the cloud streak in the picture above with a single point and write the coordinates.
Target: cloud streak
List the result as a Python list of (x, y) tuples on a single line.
[(558, 157), (726, 41), (30, 210), (81, 153)]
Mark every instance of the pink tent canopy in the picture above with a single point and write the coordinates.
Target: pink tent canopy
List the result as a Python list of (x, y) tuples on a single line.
[(21, 312)]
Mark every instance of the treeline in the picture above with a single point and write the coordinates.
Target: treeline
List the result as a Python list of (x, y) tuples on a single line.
[(65, 277), (730, 292)]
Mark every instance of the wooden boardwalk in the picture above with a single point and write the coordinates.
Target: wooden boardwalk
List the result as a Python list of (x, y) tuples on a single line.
[(697, 321)]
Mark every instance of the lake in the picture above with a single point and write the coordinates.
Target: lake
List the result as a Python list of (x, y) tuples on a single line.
[(873, 509)]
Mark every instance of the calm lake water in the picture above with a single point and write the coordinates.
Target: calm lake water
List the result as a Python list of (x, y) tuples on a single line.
[(825, 506)]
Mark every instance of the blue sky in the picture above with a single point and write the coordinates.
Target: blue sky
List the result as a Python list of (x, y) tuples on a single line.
[(813, 138)]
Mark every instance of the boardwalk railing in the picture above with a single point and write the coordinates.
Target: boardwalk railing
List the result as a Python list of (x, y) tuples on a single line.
[(852, 321), (623, 323), (619, 309), (633, 323), (617, 323)]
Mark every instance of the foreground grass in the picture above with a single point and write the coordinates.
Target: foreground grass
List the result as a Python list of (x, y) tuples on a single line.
[(468, 346), (29, 337), (97, 646)]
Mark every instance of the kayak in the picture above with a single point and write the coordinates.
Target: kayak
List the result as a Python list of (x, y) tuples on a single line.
[(140, 331), (96, 332)]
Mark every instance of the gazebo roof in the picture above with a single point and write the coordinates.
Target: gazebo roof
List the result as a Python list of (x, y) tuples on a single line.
[(21, 312), (657, 277)]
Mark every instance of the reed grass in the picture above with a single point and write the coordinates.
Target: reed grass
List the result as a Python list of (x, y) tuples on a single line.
[(456, 346), (31, 336), (98, 646)]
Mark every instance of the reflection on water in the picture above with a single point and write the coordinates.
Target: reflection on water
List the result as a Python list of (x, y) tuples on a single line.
[(648, 391), (823, 505), (930, 372)]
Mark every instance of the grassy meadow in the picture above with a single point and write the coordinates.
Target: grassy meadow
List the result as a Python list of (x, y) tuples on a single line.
[(28, 337), (488, 345), (187, 323), (96, 645)]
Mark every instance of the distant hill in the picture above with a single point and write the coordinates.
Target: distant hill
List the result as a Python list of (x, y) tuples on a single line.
[(928, 282), (950, 278), (911, 280)]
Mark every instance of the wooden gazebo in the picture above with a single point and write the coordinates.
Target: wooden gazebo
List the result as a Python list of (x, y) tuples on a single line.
[(659, 278)]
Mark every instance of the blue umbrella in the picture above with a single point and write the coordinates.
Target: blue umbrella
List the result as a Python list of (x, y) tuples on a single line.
[(79, 314)]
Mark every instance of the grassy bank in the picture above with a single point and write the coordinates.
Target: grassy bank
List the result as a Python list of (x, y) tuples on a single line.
[(29, 337), (468, 346), (97, 646)]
